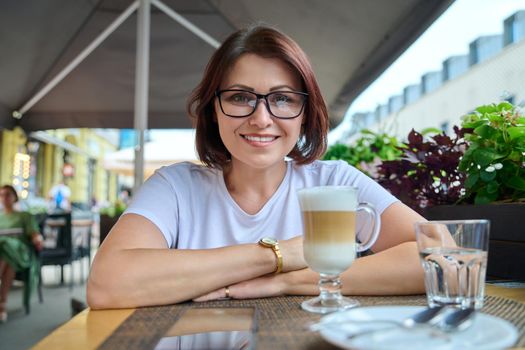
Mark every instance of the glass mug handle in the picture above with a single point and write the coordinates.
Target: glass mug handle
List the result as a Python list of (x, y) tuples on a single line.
[(373, 218)]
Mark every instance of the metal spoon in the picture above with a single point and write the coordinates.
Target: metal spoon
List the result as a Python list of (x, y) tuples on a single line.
[(419, 318), (457, 320), (422, 318)]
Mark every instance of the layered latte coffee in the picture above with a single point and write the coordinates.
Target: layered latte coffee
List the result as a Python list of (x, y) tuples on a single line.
[(329, 240), (329, 230)]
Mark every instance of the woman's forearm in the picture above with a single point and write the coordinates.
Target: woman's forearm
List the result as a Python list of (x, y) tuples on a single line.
[(140, 277), (370, 275), (393, 271), (134, 267)]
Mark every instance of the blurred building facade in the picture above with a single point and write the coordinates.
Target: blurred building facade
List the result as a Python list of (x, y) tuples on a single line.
[(492, 71), (34, 162)]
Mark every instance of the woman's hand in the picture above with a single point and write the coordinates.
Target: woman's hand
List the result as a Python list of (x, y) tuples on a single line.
[(261, 287), (298, 282), (37, 241)]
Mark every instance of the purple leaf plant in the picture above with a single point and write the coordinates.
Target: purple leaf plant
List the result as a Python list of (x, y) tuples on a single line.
[(427, 173)]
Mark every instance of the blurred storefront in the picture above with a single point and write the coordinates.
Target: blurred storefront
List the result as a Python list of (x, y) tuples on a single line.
[(34, 162)]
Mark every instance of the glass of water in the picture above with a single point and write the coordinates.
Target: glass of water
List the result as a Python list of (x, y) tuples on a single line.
[(454, 257)]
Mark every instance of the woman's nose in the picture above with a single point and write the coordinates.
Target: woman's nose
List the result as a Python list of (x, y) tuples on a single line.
[(261, 117)]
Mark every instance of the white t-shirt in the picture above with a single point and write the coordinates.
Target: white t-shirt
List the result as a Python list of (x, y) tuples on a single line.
[(193, 209)]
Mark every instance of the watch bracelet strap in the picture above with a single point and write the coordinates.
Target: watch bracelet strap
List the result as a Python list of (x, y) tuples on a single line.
[(279, 256)]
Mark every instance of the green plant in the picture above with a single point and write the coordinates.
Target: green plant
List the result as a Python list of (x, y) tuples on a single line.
[(495, 160), (367, 152), (114, 210)]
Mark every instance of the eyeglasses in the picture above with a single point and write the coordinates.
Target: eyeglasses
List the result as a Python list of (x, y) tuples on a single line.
[(281, 104)]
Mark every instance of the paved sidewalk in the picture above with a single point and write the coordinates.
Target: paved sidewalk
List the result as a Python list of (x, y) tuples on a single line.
[(23, 331)]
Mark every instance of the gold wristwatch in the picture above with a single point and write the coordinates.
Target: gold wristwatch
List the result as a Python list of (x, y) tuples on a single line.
[(269, 242)]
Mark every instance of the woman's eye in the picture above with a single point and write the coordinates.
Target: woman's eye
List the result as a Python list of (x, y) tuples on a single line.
[(240, 98), (282, 100)]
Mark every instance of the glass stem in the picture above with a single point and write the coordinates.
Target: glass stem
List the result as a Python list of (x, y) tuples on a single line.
[(330, 287)]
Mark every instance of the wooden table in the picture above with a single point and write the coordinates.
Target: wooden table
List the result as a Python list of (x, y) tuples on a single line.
[(90, 329), (517, 294)]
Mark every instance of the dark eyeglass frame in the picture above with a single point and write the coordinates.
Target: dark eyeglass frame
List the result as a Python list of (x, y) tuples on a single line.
[(259, 97)]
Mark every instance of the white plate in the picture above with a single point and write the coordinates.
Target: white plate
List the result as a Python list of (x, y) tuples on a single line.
[(486, 332)]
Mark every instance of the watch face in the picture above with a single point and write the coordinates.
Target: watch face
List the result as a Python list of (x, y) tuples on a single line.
[(269, 241)]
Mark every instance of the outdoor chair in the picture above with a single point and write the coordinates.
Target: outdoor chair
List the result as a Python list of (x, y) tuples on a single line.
[(58, 244), (81, 231), (25, 277)]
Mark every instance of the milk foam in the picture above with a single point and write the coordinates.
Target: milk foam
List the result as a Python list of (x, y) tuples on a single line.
[(329, 258), (328, 198)]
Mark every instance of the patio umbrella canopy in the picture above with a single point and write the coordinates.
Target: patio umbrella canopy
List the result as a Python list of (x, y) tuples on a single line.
[(350, 42), (156, 154)]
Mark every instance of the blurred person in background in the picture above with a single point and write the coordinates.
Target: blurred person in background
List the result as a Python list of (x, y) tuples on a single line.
[(19, 238), (59, 197), (125, 195)]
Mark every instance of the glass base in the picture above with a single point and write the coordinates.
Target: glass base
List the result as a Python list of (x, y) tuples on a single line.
[(320, 306)]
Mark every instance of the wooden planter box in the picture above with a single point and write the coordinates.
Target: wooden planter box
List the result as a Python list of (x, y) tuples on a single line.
[(507, 234)]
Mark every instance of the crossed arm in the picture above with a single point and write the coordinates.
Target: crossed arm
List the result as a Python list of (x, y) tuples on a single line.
[(134, 267)]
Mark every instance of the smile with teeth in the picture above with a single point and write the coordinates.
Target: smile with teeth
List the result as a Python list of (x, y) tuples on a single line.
[(259, 138)]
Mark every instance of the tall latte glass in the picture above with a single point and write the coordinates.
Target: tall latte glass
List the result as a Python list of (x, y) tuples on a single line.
[(329, 221)]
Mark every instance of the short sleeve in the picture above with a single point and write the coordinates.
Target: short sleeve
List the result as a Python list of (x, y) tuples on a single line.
[(157, 201)]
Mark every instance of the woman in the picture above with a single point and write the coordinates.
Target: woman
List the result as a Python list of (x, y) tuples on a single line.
[(20, 237), (192, 231)]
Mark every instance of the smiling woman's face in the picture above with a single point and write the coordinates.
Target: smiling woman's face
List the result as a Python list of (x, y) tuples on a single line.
[(259, 140)]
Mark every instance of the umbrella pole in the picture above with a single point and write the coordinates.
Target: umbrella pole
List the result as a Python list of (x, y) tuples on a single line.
[(141, 89)]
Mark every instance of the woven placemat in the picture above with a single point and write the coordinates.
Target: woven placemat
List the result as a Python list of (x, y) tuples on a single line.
[(279, 322)]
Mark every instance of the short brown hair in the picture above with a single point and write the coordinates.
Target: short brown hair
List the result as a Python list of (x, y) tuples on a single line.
[(269, 43), (12, 190)]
